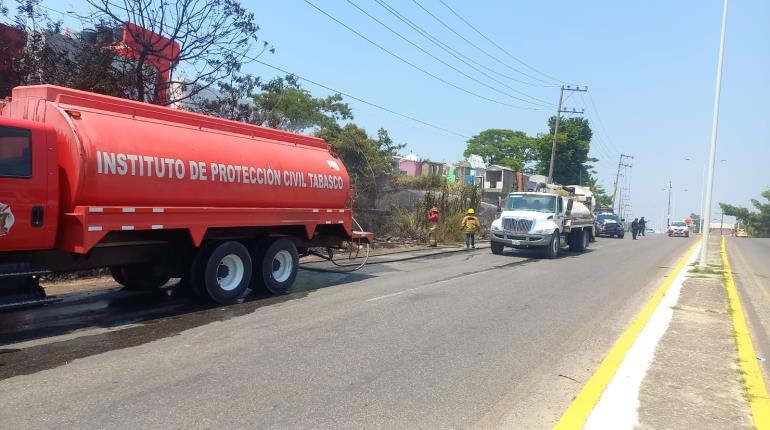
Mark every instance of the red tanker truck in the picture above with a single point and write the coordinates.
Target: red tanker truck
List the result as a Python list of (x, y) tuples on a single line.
[(90, 181)]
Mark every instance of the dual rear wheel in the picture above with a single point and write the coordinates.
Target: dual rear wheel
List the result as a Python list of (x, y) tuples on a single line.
[(222, 271)]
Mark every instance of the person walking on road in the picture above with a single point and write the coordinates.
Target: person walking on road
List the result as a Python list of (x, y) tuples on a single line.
[(634, 228), (642, 226), (470, 226)]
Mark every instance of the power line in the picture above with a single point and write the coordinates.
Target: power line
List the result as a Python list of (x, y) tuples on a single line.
[(542, 103), (361, 100), (601, 123), (452, 51), (450, 28), (498, 46), (348, 95), (394, 55)]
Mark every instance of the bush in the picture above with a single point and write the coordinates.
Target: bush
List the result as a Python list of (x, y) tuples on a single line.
[(452, 201), (427, 182)]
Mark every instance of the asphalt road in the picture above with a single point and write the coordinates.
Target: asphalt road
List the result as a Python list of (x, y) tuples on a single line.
[(459, 341), (750, 258)]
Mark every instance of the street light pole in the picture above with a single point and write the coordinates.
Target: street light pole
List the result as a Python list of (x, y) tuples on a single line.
[(713, 146), (668, 213)]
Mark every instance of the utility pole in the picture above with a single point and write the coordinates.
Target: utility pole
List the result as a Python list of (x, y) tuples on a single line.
[(559, 111), (704, 250), (617, 176), (668, 216)]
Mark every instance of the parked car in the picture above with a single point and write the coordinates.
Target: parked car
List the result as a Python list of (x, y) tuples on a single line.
[(678, 229), (610, 225), (741, 233)]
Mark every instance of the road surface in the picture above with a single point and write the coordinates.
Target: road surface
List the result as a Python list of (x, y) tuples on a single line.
[(466, 340), (750, 260)]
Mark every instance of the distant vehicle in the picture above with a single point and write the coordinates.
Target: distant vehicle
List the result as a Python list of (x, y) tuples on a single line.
[(678, 229), (741, 233), (610, 225), (649, 230), (548, 220)]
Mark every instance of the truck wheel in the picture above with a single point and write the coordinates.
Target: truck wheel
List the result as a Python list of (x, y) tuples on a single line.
[(582, 238), (221, 272), (553, 246), (280, 264), (620, 236), (139, 276), (497, 248), (573, 240)]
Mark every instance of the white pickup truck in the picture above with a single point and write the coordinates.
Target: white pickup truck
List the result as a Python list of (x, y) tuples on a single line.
[(547, 220)]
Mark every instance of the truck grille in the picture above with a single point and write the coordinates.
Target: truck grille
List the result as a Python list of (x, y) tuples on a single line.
[(517, 225)]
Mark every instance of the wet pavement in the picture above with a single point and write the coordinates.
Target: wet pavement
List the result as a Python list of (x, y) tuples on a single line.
[(107, 318)]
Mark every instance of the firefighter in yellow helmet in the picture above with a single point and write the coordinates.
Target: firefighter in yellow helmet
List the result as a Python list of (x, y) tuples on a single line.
[(470, 226)]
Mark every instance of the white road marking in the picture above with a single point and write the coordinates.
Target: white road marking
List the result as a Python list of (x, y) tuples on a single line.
[(618, 408)]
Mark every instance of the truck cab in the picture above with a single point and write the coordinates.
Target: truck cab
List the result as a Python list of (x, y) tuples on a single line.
[(545, 220), (28, 185)]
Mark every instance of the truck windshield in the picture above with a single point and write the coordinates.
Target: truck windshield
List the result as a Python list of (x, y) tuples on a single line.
[(604, 217), (524, 202), (15, 153)]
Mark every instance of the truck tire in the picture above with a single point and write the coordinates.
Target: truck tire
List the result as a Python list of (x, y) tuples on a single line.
[(552, 251), (582, 239), (139, 276), (620, 236), (497, 248), (221, 272), (573, 241), (279, 266)]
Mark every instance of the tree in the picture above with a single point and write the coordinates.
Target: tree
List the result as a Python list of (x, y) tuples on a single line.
[(757, 223), (508, 148), (233, 101), (696, 222), (284, 104), (572, 145), (37, 52), (368, 161), (214, 39)]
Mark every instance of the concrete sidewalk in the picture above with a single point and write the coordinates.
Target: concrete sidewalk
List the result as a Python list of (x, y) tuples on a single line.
[(695, 380)]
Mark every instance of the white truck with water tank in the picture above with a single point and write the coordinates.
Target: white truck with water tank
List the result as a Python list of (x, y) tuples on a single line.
[(552, 218)]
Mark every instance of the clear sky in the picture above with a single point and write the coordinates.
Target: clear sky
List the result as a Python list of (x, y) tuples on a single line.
[(650, 68)]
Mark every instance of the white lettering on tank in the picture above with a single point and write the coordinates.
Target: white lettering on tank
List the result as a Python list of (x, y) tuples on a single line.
[(179, 169), (202, 167), (109, 163), (193, 171), (214, 171), (99, 162), (133, 159), (222, 173), (122, 165), (260, 176), (148, 160), (160, 167), (170, 163)]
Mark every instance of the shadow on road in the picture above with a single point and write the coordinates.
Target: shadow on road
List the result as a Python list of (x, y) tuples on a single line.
[(121, 319)]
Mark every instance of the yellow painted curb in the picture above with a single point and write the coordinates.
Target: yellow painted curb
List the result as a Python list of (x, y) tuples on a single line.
[(578, 411), (747, 356)]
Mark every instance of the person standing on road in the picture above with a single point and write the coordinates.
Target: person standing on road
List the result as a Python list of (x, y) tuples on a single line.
[(433, 218), (470, 226), (642, 226), (634, 228)]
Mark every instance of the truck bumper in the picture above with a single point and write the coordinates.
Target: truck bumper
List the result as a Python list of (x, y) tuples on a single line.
[(519, 240)]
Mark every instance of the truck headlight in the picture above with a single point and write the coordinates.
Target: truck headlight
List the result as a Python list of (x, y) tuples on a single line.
[(496, 226), (543, 230)]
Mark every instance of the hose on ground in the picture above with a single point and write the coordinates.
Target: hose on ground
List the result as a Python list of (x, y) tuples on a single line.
[(348, 268)]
